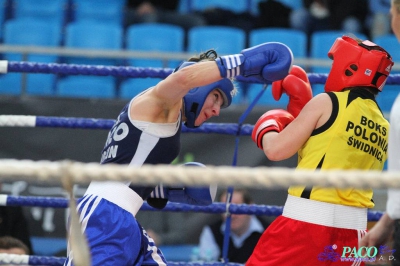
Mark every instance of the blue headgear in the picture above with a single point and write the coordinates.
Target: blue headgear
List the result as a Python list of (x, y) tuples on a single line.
[(195, 98)]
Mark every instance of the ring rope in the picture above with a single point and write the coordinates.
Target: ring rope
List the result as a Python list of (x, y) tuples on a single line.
[(216, 207), (250, 177), (133, 72), (95, 123), (14, 259), (92, 70)]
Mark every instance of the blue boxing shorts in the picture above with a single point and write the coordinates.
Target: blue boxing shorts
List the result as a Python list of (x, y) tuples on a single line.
[(107, 216)]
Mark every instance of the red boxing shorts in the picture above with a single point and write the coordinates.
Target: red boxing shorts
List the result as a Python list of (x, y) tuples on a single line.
[(313, 236)]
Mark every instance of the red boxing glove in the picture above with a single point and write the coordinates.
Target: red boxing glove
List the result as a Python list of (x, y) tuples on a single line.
[(297, 86), (273, 120)]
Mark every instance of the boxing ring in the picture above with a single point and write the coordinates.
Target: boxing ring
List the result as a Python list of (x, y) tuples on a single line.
[(65, 173)]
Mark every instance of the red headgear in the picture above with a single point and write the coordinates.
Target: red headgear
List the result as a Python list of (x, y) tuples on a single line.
[(357, 64)]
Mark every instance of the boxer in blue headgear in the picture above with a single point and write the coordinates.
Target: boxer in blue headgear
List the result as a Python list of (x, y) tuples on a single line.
[(147, 131), (195, 98)]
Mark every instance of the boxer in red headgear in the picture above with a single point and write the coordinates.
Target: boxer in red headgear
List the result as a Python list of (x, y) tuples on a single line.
[(357, 64), (343, 128)]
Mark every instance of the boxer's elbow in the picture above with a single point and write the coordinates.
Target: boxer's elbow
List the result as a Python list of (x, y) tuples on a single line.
[(275, 152)]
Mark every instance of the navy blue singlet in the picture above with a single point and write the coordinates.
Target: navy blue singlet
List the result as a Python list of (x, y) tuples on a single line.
[(127, 144)]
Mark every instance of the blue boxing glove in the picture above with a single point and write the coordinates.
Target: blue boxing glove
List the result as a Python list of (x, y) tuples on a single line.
[(189, 195), (202, 196), (264, 63)]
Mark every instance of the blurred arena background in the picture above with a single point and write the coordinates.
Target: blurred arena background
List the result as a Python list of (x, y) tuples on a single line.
[(97, 33)]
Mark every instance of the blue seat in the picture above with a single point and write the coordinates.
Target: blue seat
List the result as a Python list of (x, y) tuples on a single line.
[(266, 99), (103, 11), (50, 11), (237, 6), (178, 252), (86, 87), (293, 4), (132, 87), (254, 7), (390, 43), (3, 8), (48, 246), (295, 39), (155, 37), (224, 40), (29, 31), (96, 36), (11, 84), (185, 6)]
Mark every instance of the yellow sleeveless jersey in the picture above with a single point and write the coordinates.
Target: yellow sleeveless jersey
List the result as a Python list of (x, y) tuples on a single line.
[(355, 137)]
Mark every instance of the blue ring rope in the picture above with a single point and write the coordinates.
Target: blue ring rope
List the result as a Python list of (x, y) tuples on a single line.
[(99, 123), (216, 207), (135, 72)]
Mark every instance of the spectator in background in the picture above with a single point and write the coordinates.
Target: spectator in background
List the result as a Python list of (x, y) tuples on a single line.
[(313, 16), (272, 13), (12, 245), (379, 18), (316, 15), (14, 223), (220, 16), (160, 11), (348, 15), (244, 235)]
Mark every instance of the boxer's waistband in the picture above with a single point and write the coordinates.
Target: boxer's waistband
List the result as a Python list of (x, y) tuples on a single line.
[(117, 193), (326, 214)]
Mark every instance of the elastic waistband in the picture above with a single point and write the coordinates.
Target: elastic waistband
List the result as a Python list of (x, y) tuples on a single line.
[(117, 193), (326, 214)]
